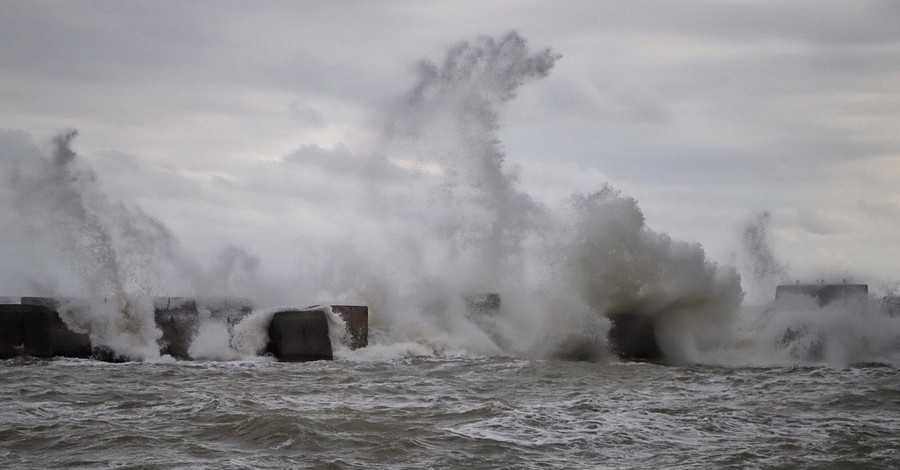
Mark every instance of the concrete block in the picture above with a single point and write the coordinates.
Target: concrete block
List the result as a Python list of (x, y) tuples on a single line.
[(179, 319), (357, 319), (633, 337), (299, 336), (823, 293), (25, 330), (65, 342)]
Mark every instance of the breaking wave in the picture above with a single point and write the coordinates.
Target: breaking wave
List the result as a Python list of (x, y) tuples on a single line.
[(451, 224)]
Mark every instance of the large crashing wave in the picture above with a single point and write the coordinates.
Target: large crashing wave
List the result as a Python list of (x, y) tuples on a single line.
[(558, 271), (451, 223)]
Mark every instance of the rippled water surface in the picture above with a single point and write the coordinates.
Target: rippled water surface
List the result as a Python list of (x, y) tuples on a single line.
[(444, 413)]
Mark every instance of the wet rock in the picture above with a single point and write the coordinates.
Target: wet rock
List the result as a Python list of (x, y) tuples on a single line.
[(300, 336)]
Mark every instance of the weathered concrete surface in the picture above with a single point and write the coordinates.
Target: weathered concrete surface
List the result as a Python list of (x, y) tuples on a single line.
[(25, 330), (357, 319), (179, 319), (823, 293), (67, 343), (633, 337), (299, 336), (64, 341)]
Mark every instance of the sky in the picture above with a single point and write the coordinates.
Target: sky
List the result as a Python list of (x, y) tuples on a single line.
[(245, 122)]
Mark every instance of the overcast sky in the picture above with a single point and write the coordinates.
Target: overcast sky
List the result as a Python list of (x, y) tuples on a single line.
[(706, 112)]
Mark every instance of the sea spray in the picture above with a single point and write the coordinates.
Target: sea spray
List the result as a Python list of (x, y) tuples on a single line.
[(799, 329), (212, 340), (449, 218), (762, 271), (463, 224), (70, 240), (58, 203)]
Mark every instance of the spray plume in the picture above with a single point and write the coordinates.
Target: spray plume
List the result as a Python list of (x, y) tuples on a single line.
[(454, 227)]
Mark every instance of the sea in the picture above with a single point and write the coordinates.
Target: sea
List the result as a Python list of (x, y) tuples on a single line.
[(458, 411)]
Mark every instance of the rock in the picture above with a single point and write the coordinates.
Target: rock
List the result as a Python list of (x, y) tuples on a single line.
[(633, 337), (299, 336)]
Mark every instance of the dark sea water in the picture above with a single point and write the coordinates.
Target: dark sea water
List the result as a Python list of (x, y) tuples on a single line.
[(451, 412)]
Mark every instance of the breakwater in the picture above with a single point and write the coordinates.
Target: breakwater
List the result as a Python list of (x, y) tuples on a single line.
[(67, 327)]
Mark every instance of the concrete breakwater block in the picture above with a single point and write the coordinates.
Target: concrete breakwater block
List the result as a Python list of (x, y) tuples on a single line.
[(823, 293), (25, 330), (633, 337), (300, 336), (178, 318), (38, 318), (32, 326), (357, 319)]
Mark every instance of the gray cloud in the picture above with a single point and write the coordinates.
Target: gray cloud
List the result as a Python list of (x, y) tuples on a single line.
[(195, 109), (340, 161)]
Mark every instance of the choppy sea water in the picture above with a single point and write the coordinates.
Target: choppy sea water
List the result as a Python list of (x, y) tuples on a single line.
[(457, 412)]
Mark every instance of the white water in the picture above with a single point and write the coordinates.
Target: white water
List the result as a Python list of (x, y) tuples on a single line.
[(449, 219)]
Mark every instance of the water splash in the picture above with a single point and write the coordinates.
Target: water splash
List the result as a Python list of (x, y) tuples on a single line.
[(449, 220)]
